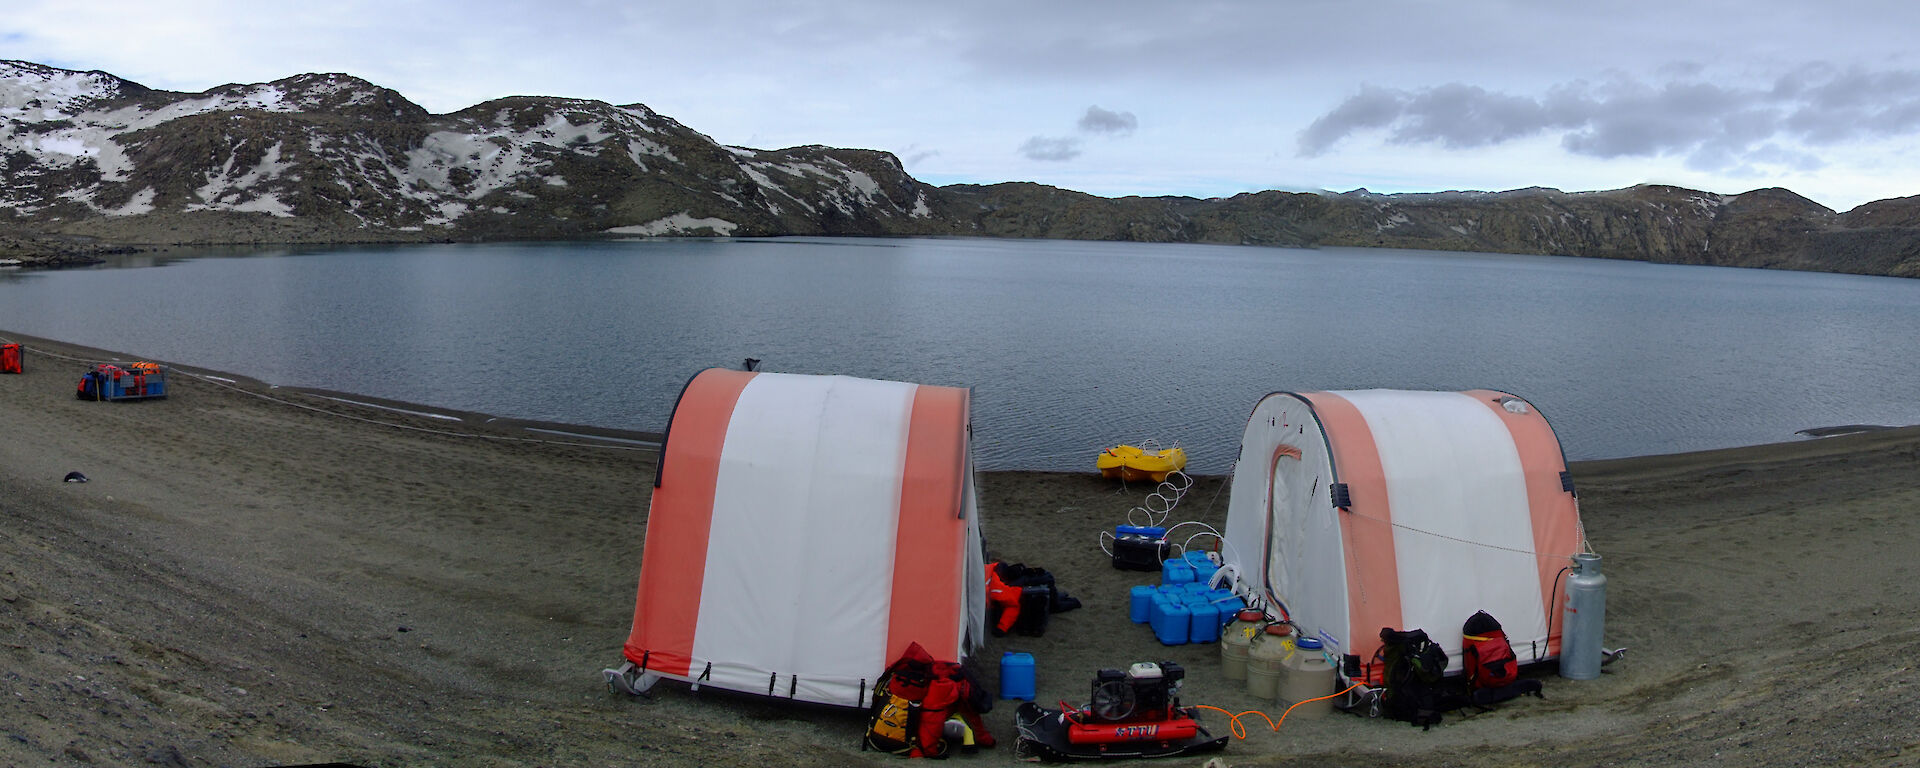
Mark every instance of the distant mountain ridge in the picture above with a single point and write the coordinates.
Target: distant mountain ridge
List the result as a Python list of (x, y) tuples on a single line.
[(92, 162)]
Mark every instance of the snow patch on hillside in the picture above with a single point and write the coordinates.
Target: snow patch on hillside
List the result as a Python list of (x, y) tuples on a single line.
[(863, 185), (1707, 204), (638, 147), (679, 223), (35, 102), (141, 202), (757, 171), (24, 87), (227, 191), (1398, 218), (759, 177), (316, 92), (488, 157), (268, 98), (67, 145)]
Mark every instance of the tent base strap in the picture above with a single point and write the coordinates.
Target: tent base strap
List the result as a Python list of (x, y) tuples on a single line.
[(1043, 736)]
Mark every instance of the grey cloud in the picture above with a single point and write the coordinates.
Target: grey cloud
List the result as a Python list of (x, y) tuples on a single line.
[(1098, 120), (1051, 149), (1774, 154), (1714, 126), (1831, 106), (1681, 69), (1063, 148), (1370, 108), (1467, 116)]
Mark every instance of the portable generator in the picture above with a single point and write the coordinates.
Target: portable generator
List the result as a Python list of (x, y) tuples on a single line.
[(1135, 713)]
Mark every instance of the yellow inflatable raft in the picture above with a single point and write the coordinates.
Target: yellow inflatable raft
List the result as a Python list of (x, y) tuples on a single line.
[(1134, 464)]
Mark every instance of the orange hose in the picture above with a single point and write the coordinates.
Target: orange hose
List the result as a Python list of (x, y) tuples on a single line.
[(1233, 720), (1240, 730)]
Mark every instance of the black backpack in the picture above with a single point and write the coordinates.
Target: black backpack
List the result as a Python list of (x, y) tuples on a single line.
[(1039, 597), (1415, 677)]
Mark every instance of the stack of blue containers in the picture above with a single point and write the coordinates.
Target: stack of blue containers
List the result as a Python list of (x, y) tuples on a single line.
[(1182, 609)]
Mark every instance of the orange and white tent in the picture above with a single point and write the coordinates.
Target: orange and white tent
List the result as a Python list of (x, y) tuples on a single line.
[(804, 530), (1358, 510)]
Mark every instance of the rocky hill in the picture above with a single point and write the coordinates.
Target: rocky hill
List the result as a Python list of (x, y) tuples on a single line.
[(96, 163), (331, 158)]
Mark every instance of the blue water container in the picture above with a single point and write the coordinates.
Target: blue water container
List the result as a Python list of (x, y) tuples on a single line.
[(1197, 557), (1196, 588), (1176, 572), (1140, 603), (1016, 676), (1203, 573), (1173, 624), (1205, 626)]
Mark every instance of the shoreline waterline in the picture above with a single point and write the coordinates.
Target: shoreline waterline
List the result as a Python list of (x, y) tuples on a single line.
[(643, 440)]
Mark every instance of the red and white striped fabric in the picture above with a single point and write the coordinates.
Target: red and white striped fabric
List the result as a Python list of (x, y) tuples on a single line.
[(1454, 502), (804, 530)]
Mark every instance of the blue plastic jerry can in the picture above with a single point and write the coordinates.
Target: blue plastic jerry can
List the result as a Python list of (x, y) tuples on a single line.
[(1140, 603), (1205, 626), (1174, 624), (1016, 676), (1176, 572)]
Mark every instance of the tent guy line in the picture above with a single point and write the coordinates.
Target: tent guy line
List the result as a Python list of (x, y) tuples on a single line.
[(1586, 548)]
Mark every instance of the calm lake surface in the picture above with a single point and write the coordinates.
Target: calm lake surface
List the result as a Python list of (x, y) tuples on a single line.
[(1068, 346)]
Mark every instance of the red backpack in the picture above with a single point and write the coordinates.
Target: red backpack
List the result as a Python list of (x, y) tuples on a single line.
[(1488, 658), (913, 700)]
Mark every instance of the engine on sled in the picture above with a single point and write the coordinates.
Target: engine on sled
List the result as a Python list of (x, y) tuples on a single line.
[(1135, 713)]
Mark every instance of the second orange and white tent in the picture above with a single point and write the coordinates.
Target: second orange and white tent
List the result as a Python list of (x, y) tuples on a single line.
[(1355, 511)]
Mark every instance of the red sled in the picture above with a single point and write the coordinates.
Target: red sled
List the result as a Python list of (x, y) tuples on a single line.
[(1135, 713)]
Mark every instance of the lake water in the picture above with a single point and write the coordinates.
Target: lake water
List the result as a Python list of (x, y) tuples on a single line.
[(1068, 346)]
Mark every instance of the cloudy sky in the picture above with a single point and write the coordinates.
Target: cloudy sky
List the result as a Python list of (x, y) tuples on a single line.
[(1122, 97)]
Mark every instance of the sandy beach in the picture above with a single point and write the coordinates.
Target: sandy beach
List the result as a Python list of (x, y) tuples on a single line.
[(266, 576)]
